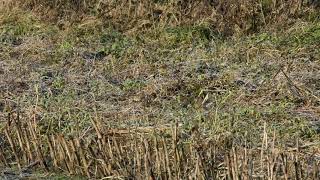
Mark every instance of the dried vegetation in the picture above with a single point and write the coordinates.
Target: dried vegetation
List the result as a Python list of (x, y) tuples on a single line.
[(161, 89)]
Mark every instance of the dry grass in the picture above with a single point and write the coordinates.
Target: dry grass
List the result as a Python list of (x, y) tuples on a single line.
[(225, 17), (164, 154), (107, 92)]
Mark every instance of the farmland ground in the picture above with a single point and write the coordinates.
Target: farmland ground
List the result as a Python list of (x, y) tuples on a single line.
[(79, 79)]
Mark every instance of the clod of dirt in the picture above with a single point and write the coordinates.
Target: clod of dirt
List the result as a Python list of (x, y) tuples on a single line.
[(16, 42), (46, 80), (14, 54), (239, 82), (18, 86), (115, 82), (209, 70), (246, 85), (94, 55), (1, 106), (47, 75)]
